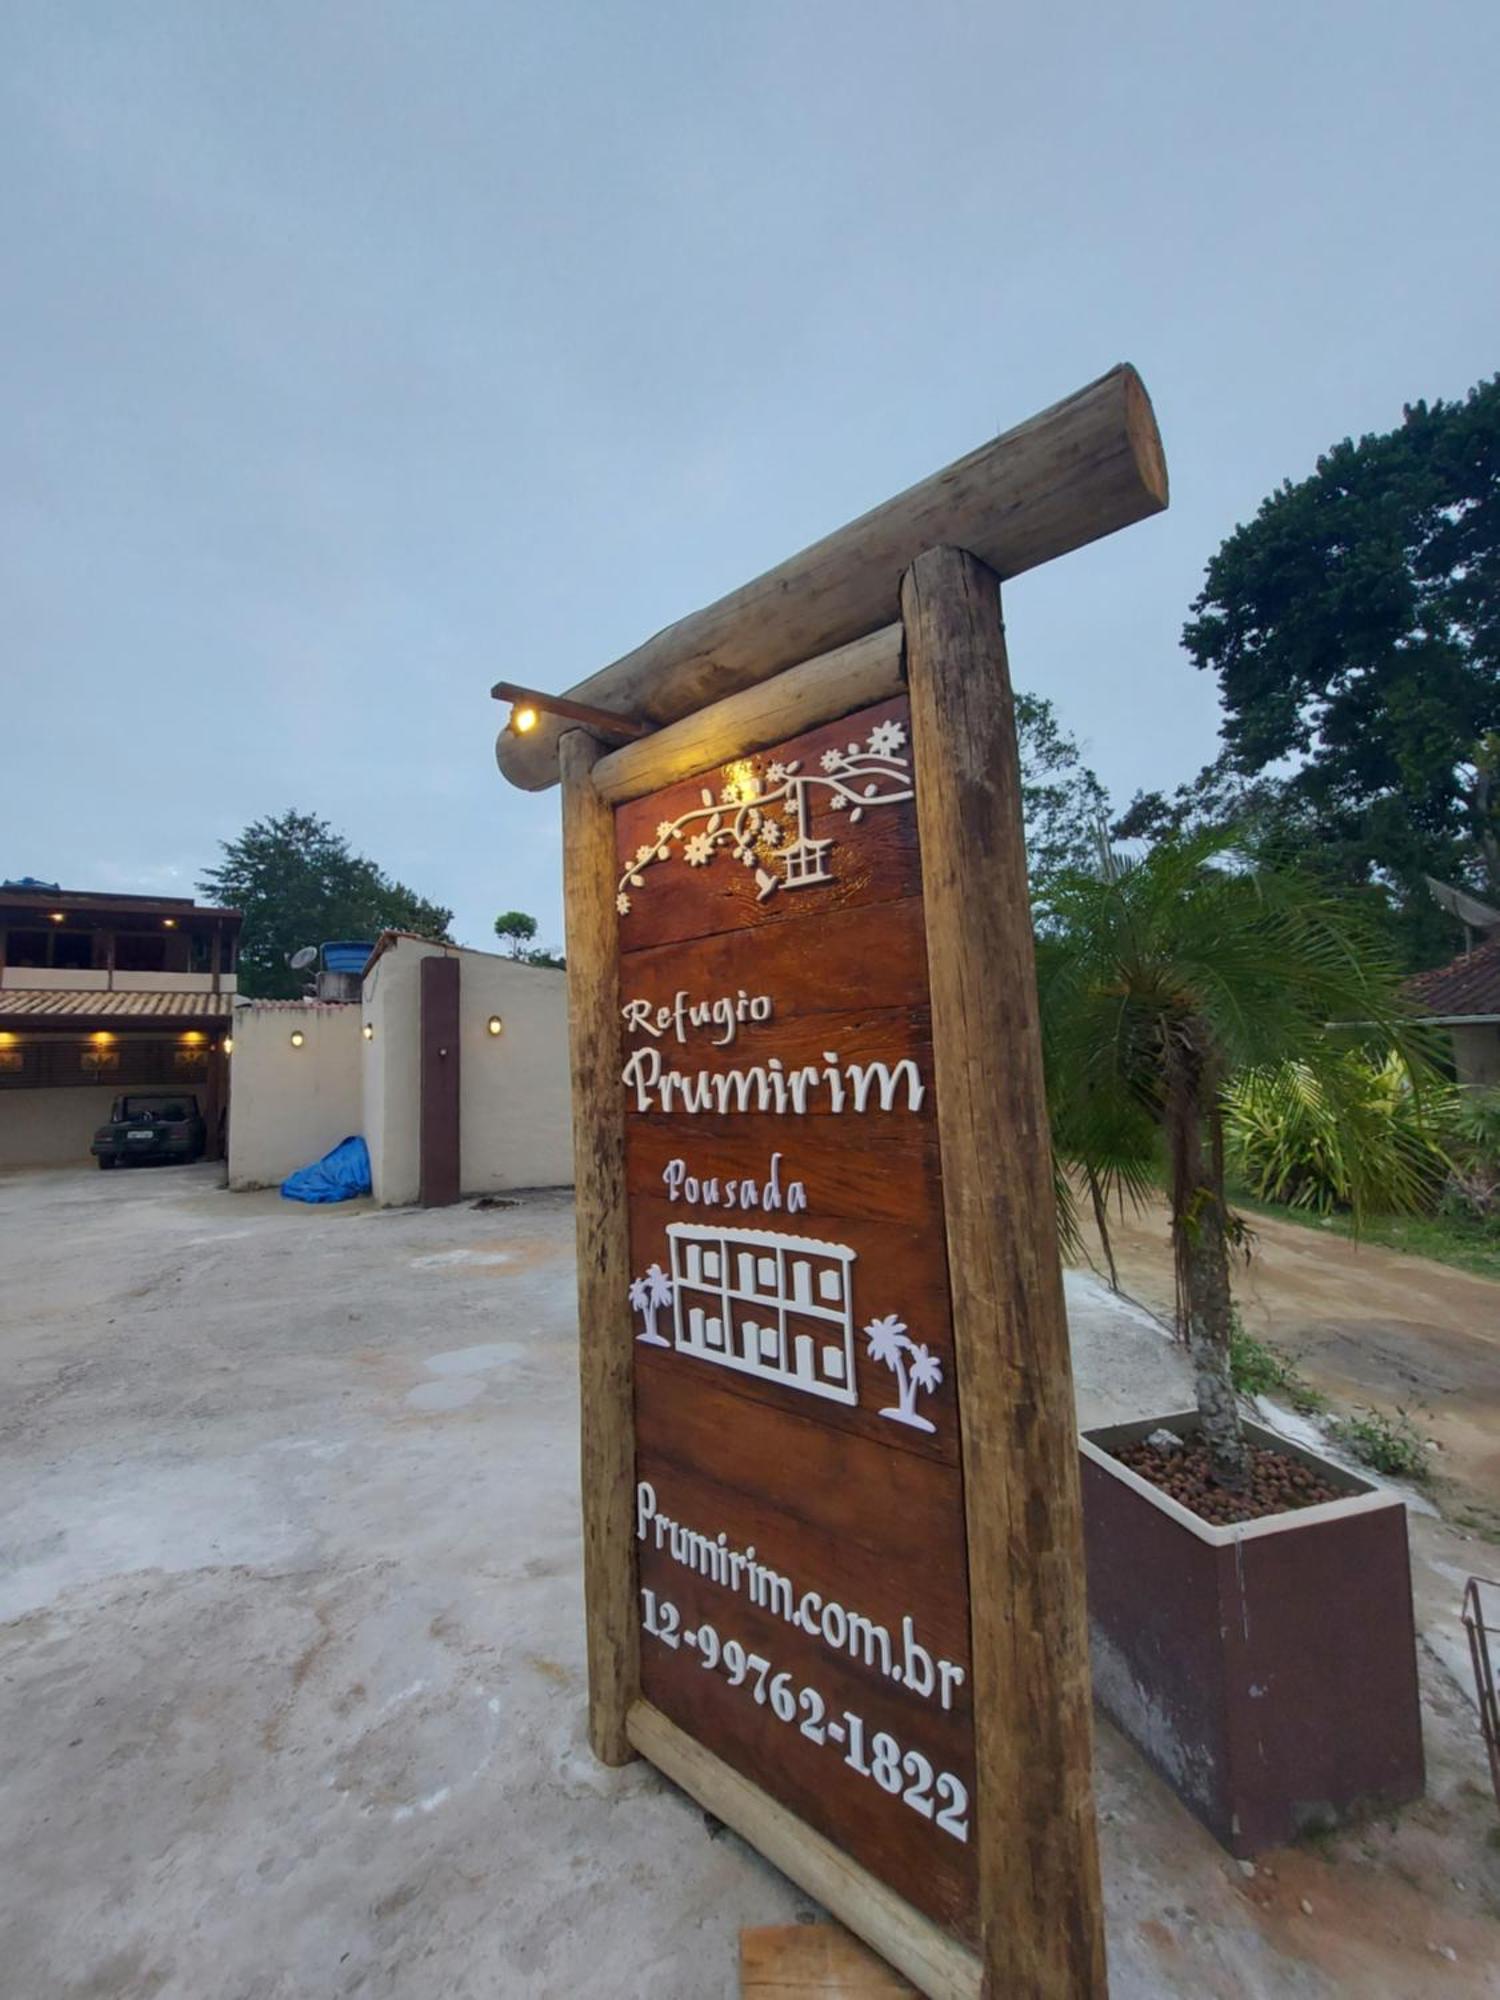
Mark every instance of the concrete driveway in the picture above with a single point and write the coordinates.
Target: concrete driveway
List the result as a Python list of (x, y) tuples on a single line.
[(291, 1689)]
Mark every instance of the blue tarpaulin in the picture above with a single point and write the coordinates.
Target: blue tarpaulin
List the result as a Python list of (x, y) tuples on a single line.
[(338, 1176)]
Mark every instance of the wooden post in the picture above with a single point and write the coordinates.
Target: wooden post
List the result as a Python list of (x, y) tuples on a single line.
[(1039, 1891), (604, 1327)]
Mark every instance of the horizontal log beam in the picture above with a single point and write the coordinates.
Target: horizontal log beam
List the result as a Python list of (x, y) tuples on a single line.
[(1084, 468), (802, 698)]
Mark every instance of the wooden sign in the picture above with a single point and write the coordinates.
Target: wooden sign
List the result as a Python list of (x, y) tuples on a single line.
[(798, 1493), (832, 1545)]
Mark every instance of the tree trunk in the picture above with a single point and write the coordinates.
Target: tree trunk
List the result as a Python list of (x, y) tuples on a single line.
[(1200, 1246), (1101, 1223)]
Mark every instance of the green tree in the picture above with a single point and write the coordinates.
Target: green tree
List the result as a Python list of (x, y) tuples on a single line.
[(1354, 628), (298, 883), (1160, 979), (1062, 802), (515, 929)]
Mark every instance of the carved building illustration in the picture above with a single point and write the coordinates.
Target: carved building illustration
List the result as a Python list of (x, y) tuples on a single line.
[(774, 1306)]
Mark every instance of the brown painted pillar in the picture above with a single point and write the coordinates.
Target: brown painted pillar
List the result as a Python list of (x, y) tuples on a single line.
[(438, 1082), (215, 1093)]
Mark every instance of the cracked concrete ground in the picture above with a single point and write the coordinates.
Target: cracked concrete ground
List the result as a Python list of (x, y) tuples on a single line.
[(291, 1647)]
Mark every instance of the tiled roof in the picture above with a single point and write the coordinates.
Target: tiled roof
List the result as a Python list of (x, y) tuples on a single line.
[(65, 1006), (243, 1004), (1469, 986)]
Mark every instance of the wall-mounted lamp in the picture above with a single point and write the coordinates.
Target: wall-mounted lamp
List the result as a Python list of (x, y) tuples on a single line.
[(528, 707), (368, 1031), (57, 916), (192, 1038), (229, 1045), (298, 1038), (101, 1039), (169, 923), (494, 1025)]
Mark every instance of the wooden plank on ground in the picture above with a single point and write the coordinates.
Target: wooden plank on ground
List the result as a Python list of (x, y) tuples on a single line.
[(813, 1962)]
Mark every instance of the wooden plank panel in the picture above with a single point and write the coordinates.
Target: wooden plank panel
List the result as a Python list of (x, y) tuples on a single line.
[(853, 944), (895, 1268), (825, 1154), (1039, 1871), (697, 857), (857, 1734)]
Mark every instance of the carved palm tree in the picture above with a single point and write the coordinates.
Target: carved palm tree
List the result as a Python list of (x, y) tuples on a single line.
[(647, 1296), (888, 1345), (659, 1294), (925, 1373)]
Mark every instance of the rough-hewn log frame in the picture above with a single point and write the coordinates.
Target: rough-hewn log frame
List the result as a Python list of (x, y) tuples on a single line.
[(1039, 1895)]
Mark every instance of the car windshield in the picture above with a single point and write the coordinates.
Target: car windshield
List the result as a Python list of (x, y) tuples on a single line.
[(169, 1108)]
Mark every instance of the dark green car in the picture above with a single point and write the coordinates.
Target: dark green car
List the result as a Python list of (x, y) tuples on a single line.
[(151, 1125)]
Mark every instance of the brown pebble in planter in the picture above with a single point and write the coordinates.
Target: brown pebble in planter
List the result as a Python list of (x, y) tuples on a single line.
[(1279, 1484)]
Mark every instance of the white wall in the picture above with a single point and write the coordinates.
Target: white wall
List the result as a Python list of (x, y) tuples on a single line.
[(52, 1128), (288, 1106), (514, 1092)]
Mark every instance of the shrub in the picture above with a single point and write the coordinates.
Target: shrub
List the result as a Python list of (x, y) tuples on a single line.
[(1351, 1135), (1473, 1184), (1392, 1445)]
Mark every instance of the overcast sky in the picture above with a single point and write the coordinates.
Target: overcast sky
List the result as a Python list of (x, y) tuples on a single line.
[(356, 356)]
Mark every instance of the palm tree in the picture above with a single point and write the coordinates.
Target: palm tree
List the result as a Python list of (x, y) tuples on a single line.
[(888, 1345), (1159, 981), (647, 1296)]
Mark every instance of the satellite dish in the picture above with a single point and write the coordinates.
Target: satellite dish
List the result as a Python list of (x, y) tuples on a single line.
[(301, 960), (1470, 912)]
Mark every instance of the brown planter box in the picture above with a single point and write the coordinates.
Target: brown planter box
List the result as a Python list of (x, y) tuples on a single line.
[(1268, 1671)]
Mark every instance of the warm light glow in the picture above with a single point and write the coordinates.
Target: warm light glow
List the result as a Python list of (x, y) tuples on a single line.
[(57, 916), (229, 1045), (368, 1031), (192, 1037), (170, 923), (495, 1025), (7, 1039), (298, 1038), (102, 1039), (523, 720)]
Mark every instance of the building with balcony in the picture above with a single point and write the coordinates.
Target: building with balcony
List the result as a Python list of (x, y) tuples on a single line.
[(101, 994)]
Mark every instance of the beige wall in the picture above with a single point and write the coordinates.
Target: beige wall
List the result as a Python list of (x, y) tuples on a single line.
[(52, 1128), (288, 1106), (389, 1058), (514, 1111), (1476, 1053), (66, 979), (515, 1088)]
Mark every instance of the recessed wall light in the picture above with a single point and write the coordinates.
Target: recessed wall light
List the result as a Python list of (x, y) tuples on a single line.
[(298, 1038), (495, 1025)]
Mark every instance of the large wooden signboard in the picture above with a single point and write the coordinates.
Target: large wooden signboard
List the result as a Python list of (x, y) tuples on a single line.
[(799, 1507), (832, 1546)]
